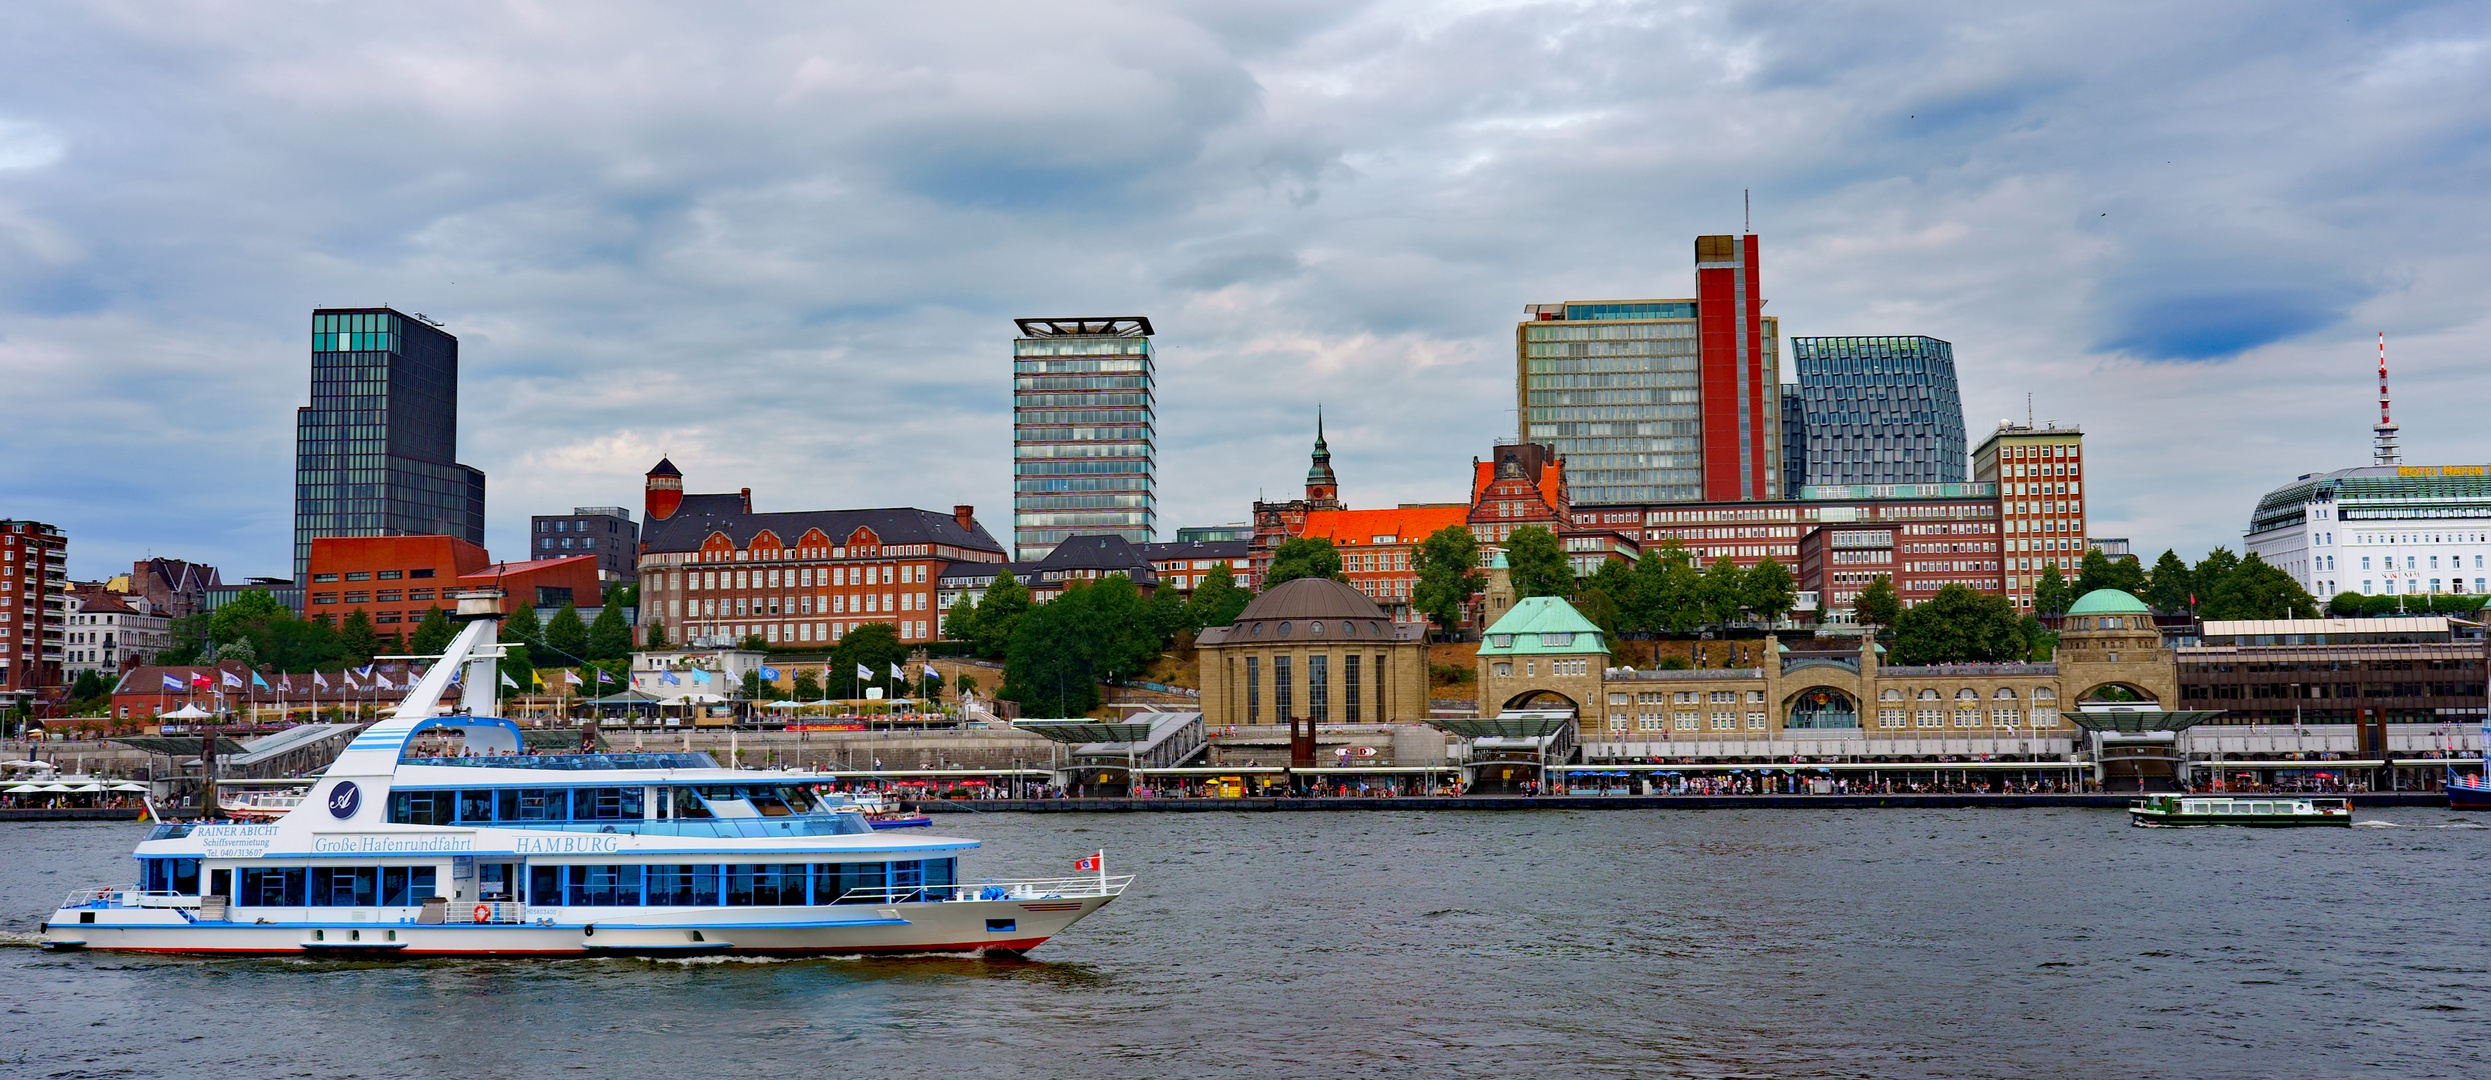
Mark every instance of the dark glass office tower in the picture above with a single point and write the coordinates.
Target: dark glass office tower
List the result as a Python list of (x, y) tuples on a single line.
[(375, 451), (1880, 410)]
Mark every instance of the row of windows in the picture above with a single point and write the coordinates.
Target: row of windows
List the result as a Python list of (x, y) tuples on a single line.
[(1318, 687), (382, 575), (606, 885), (478, 806), (336, 886)]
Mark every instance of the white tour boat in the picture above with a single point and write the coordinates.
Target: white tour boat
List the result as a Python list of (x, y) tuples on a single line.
[(499, 853)]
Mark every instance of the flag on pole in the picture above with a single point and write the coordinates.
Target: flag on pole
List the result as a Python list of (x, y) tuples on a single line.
[(1090, 862), (321, 682), (365, 671), (699, 677), (200, 678), (259, 682), (930, 673), (571, 677), (669, 678), (864, 672), (234, 680), (508, 681), (171, 683), (770, 673), (896, 673), (602, 677)]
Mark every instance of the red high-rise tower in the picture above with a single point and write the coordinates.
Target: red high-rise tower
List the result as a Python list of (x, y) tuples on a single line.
[(1733, 380)]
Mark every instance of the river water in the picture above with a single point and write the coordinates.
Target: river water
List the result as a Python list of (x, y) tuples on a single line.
[(1787, 943)]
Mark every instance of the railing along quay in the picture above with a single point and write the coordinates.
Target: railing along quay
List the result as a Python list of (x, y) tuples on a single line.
[(1119, 805)]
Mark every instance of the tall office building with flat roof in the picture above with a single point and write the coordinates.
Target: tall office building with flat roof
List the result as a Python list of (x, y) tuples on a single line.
[(375, 451), (1660, 400), (1878, 410), (1084, 432)]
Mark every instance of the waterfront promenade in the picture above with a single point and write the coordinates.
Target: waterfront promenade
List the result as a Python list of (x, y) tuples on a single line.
[(1118, 805)]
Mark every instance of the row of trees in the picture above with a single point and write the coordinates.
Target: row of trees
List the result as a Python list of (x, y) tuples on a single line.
[(2221, 586)]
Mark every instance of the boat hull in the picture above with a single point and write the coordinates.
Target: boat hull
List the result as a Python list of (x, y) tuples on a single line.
[(953, 926), (2151, 820), (2465, 797)]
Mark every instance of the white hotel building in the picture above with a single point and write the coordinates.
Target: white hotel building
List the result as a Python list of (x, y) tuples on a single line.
[(2381, 530)]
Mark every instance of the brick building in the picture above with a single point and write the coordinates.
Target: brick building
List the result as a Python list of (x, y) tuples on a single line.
[(1183, 564), (172, 587), (2039, 476), (714, 571), (395, 580), (34, 566), (1525, 484), (1379, 548)]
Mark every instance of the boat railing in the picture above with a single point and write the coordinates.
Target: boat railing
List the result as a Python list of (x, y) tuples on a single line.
[(1045, 889), (101, 896), (140, 898)]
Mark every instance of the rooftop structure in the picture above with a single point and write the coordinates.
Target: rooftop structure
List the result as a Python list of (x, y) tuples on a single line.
[(1879, 410), (375, 451), (2380, 530)]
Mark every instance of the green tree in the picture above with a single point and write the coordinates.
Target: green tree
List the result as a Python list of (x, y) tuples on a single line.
[(566, 637), (519, 666), (874, 645), (960, 623), (1304, 557), (2100, 571), (753, 643), (1053, 667), (2210, 572), (522, 626), (1163, 615), (657, 635), (188, 640), (433, 634), (1666, 587), (808, 686), (609, 638), (2050, 596), (245, 615), (89, 686), (964, 684), (1447, 565), (1217, 600), (2347, 605), (2167, 590), (754, 689), (2255, 590), (1770, 590), (1877, 605), (999, 615), (1960, 625), (1721, 593), (1537, 564), (240, 650)]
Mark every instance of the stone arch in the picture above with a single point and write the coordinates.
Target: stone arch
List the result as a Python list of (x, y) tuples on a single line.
[(1535, 698), (2119, 692), (1821, 707)]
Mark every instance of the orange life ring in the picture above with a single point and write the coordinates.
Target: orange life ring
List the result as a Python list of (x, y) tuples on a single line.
[(484, 913)]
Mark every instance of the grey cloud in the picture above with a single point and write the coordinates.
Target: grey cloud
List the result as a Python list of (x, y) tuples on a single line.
[(784, 243)]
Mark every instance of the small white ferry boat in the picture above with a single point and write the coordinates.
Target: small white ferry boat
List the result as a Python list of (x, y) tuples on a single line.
[(497, 853)]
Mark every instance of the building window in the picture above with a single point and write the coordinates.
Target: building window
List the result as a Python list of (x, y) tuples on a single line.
[(1349, 688), (1280, 696), (1254, 690), (1725, 721), (1319, 688)]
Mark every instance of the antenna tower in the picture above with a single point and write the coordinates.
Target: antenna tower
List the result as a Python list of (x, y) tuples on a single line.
[(2383, 437)]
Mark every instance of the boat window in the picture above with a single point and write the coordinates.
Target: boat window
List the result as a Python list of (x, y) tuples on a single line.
[(533, 804), (405, 886), (683, 886), (607, 804), (344, 886), (278, 887), (688, 804), (476, 806), (179, 876), (423, 807), (767, 801)]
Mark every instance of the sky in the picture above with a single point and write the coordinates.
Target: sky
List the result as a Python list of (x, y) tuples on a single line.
[(783, 243)]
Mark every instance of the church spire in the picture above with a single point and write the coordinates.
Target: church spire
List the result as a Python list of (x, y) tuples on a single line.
[(1321, 485)]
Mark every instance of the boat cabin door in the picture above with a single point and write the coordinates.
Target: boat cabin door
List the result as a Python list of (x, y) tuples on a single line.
[(497, 883)]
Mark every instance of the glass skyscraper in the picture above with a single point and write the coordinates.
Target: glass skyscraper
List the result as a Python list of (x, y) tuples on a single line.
[(375, 451), (1657, 401), (1083, 432), (1879, 410)]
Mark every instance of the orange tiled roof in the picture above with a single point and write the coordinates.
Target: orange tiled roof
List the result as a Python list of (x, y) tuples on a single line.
[(1359, 528)]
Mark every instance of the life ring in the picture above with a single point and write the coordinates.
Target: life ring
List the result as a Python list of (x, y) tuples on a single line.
[(484, 913)]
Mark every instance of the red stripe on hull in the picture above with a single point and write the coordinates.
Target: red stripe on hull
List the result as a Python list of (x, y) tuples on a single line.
[(1013, 945)]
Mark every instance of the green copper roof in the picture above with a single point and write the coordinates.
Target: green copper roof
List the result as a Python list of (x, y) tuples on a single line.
[(2108, 602), (1541, 625)]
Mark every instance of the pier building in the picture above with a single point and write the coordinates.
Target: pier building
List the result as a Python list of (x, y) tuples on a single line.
[(1313, 649)]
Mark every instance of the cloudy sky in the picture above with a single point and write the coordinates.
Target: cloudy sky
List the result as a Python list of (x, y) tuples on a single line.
[(784, 242)]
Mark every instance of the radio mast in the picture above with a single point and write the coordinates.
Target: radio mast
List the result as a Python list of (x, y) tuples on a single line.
[(2383, 437)]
